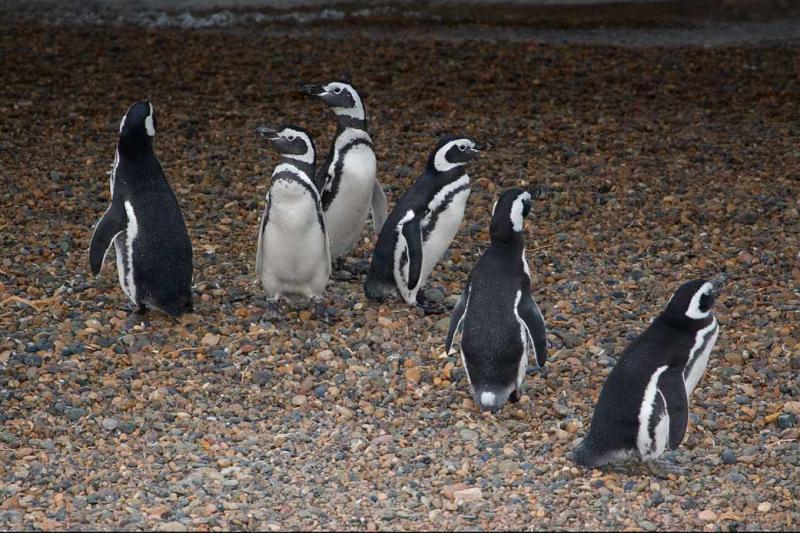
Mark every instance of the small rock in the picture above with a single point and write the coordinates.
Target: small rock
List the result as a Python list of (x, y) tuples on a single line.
[(707, 515), (468, 434), (172, 526), (792, 407), (299, 399), (434, 295), (209, 339), (110, 424), (764, 507), (787, 421), (468, 495), (450, 490), (413, 374), (261, 377), (728, 457)]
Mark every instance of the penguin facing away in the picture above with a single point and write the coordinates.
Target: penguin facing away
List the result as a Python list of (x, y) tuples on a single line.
[(643, 408), (422, 224), (347, 179), (144, 223), (293, 254), (502, 327)]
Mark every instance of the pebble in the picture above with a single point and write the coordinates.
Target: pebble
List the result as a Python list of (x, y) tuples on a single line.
[(707, 515), (172, 526), (764, 507), (299, 399), (468, 434), (728, 456), (110, 424), (468, 495)]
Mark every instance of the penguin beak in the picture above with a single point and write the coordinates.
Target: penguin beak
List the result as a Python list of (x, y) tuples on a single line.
[(718, 283), (313, 89), (477, 147), (269, 133)]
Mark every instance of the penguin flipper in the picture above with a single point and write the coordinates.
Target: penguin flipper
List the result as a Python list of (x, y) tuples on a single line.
[(671, 385), (113, 222), (413, 236), (534, 322), (457, 318), (380, 207), (259, 261)]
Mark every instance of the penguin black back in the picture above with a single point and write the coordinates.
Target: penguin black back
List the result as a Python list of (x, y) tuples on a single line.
[(144, 221)]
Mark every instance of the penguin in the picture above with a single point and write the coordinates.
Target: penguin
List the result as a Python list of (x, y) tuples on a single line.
[(293, 253), (501, 325), (144, 223), (643, 407), (422, 224), (347, 179)]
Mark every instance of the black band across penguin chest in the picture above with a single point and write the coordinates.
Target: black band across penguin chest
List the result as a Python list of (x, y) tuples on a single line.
[(429, 223), (335, 171), (286, 175)]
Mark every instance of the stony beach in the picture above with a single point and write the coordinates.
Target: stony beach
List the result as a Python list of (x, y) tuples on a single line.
[(648, 165)]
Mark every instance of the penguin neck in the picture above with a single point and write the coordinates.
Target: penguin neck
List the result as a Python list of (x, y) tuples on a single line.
[(303, 166), (683, 322), (135, 147), (515, 243), (448, 175), (358, 122)]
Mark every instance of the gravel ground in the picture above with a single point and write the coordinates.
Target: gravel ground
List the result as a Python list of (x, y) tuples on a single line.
[(649, 166)]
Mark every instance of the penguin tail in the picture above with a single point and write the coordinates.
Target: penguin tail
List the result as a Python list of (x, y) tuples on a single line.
[(177, 308), (489, 400), (377, 288)]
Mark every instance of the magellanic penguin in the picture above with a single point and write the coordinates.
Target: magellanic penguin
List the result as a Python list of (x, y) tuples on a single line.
[(293, 255), (502, 327), (144, 221), (422, 224), (643, 407), (347, 179)]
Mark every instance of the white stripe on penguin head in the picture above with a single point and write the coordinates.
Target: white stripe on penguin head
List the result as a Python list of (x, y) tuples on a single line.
[(694, 305), (440, 161), (516, 211), (308, 156), (357, 110), (149, 125)]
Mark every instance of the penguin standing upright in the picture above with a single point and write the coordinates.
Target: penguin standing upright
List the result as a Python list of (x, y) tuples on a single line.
[(500, 323), (643, 407), (293, 255), (347, 180), (422, 224), (145, 224)]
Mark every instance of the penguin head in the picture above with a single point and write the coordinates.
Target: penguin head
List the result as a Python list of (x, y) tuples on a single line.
[(692, 301), (290, 141), (138, 126), (341, 96), (508, 215), (453, 152)]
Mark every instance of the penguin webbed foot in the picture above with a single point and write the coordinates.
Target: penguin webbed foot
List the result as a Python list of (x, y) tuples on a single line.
[(514, 396), (136, 317), (272, 311), (662, 468)]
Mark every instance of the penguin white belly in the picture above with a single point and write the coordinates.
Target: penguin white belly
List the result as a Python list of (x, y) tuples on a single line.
[(347, 213), (705, 340), (294, 254), (442, 235), (122, 267)]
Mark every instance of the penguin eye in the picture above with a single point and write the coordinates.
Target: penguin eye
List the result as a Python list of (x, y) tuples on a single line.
[(462, 147), (290, 138), (337, 90)]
